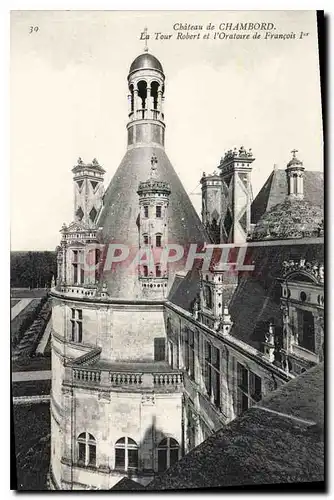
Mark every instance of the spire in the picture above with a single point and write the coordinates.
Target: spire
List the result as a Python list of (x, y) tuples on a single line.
[(146, 37)]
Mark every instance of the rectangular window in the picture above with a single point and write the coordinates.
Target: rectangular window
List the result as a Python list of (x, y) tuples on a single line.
[(158, 271), (73, 331), (76, 325), (145, 270), (82, 453), (186, 350), (249, 389), (159, 349), (92, 455), (145, 239), (132, 459), (191, 355), (158, 240), (212, 373), (82, 275), (158, 211), (120, 458), (162, 460), (75, 273), (79, 329), (306, 334), (146, 211)]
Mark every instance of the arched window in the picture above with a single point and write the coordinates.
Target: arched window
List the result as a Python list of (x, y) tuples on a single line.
[(168, 453), (86, 449), (126, 454)]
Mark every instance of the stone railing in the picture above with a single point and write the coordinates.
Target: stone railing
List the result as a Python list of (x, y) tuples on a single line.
[(133, 381), (124, 379), (167, 379), (84, 375)]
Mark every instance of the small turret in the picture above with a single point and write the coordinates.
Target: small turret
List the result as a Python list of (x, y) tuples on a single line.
[(153, 233), (295, 174)]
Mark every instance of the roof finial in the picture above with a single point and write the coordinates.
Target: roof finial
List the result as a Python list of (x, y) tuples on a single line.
[(146, 37), (294, 151)]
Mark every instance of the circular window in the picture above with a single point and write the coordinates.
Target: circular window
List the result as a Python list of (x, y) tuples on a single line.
[(302, 296)]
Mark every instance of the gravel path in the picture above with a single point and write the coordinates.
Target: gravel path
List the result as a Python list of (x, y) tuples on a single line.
[(26, 376)]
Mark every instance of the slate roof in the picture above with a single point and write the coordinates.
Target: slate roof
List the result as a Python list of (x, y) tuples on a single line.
[(275, 190), (261, 447), (126, 484), (256, 300), (119, 216), (185, 290), (289, 219)]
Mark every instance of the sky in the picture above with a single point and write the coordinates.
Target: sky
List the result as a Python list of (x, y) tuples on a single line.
[(68, 98)]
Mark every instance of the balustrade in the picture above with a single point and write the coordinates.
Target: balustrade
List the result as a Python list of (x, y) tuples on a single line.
[(129, 380), (83, 375)]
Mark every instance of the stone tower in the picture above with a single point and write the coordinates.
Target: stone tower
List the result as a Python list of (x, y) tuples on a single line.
[(236, 167), (153, 233), (116, 401), (212, 204)]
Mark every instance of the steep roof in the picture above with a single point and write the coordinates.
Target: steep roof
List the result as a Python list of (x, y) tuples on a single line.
[(263, 446), (275, 190), (256, 300), (119, 215)]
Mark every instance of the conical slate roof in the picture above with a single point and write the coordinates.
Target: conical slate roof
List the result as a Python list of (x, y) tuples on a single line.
[(119, 216)]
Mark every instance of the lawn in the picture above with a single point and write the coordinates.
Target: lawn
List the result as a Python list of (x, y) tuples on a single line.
[(30, 364), (31, 445), (31, 388)]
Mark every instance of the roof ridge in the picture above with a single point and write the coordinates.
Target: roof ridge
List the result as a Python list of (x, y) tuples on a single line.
[(292, 417)]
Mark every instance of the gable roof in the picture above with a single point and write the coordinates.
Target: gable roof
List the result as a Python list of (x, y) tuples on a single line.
[(275, 189), (126, 484)]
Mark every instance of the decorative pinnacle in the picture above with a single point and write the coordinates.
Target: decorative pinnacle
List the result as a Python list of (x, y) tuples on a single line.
[(294, 151), (146, 37)]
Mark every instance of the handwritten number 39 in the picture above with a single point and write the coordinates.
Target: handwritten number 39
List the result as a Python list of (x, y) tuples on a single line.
[(33, 29)]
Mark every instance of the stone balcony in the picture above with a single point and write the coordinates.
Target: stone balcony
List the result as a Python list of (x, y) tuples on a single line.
[(157, 377)]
